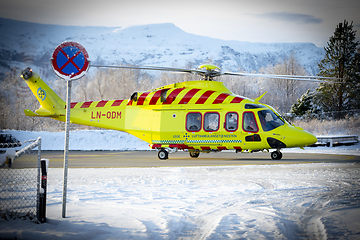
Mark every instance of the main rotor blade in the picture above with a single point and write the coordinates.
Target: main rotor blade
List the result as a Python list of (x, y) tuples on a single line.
[(170, 69), (206, 73), (285, 77), (311, 77)]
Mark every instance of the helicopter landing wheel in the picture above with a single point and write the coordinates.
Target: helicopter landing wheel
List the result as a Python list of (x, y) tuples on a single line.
[(163, 154), (194, 154), (276, 155)]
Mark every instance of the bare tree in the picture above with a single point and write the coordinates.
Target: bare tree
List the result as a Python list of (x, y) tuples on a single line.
[(282, 93)]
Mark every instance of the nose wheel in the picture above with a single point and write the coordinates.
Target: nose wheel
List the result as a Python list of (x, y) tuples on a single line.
[(276, 155)]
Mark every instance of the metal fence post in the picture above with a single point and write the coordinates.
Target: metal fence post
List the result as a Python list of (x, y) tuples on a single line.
[(42, 202), (38, 179)]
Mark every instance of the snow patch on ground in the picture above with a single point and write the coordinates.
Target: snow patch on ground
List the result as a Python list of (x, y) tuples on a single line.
[(85, 140), (295, 201), (292, 201)]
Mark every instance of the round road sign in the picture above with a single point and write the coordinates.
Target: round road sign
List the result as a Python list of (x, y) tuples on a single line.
[(70, 60)]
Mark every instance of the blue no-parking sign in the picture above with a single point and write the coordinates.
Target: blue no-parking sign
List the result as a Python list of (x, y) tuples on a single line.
[(70, 61)]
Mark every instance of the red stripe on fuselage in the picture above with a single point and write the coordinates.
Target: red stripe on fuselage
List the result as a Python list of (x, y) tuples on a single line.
[(86, 104), (154, 146), (170, 99), (72, 105), (156, 96), (116, 103), (221, 98), (188, 96), (142, 98), (205, 148), (237, 100), (101, 104), (204, 97), (221, 148)]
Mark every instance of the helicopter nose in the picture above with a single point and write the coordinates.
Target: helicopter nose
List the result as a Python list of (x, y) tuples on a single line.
[(308, 139), (297, 137)]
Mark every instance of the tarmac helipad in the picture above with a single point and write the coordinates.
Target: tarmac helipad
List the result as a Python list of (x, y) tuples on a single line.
[(114, 159)]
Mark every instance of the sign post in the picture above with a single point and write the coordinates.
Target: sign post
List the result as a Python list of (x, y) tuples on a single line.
[(70, 61), (66, 150)]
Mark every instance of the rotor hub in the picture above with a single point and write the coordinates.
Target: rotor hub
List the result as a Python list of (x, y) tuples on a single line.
[(209, 71)]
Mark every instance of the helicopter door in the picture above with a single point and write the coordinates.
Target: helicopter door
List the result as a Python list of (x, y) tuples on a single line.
[(231, 136), (249, 122), (250, 127)]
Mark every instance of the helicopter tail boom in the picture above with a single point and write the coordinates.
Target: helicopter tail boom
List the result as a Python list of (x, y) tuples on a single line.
[(104, 114), (51, 105)]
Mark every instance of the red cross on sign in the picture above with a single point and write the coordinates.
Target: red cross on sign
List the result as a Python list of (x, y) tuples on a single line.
[(70, 60)]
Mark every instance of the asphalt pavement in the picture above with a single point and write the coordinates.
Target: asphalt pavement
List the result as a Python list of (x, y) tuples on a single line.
[(117, 159)]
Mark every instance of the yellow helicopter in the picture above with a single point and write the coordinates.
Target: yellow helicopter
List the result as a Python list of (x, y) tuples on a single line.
[(195, 116)]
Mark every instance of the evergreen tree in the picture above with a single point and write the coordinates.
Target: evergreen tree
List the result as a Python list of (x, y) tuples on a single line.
[(354, 74), (305, 105), (341, 61), (302, 105)]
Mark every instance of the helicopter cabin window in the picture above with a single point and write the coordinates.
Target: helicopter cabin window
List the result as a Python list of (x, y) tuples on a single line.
[(134, 97), (253, 106), (249, 122), (193, 122), (269, 120), (211, 121), (231, 121), (163, 95)]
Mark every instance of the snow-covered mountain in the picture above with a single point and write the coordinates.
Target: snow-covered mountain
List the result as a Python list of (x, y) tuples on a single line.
[(155, 44)]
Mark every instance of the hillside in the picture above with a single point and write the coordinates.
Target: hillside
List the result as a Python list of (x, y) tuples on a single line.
[(24, 43)]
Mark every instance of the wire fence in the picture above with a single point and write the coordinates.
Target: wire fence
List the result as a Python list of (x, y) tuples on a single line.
[(20, 180)]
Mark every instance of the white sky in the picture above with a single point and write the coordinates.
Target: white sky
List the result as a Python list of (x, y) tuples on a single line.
[(251, 20)]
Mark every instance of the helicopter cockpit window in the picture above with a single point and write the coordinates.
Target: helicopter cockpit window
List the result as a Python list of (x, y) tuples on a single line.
[(211, 122), (193, 122), (249, 122), (231, 123), (269, 120)]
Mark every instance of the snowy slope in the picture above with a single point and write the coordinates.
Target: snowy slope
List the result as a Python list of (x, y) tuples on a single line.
[(156, 44)]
